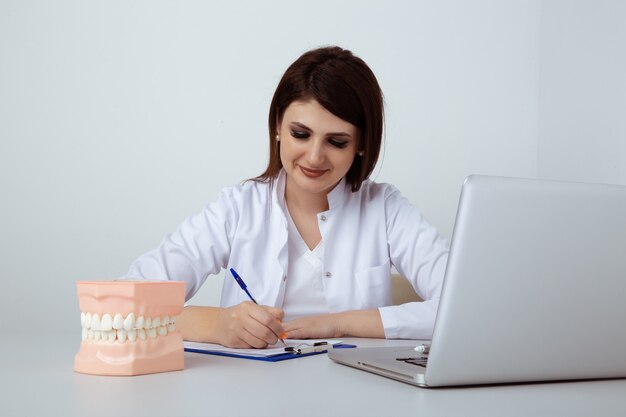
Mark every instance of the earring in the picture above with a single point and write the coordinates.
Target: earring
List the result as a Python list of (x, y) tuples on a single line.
[(360, 153), (277, 137)]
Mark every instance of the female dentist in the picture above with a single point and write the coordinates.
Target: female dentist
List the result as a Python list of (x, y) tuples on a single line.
[(313, 238)]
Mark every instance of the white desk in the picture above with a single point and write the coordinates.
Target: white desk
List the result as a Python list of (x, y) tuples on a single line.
[(37, 380)]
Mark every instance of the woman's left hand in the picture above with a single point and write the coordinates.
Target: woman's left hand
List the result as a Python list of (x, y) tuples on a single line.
[(325, 326), (355, 323)]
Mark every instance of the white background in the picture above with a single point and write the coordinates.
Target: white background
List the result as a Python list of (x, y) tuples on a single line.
[(120, 118)]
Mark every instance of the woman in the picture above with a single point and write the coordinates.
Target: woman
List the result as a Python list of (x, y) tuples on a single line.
[(312, 237)]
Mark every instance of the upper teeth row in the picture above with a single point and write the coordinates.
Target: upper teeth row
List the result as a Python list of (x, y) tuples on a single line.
[(117, 322)]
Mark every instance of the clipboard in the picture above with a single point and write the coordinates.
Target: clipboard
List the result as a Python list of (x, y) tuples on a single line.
[(300, 350)]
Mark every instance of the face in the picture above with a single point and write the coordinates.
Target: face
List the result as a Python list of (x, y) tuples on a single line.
[(316, 148)]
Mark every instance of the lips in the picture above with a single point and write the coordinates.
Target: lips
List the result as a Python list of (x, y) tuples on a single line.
[(312, 173)]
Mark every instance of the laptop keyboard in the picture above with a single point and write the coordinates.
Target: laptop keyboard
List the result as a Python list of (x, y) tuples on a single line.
[(418, 361)]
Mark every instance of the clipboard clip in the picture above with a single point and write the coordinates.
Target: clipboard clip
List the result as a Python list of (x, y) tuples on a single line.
[(302, 349)]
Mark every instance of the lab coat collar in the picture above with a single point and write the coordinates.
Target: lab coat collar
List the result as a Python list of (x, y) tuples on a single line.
[(335, 197), (279, 190)]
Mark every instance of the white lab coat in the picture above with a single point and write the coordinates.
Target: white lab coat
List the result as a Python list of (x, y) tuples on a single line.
[(364, 234)]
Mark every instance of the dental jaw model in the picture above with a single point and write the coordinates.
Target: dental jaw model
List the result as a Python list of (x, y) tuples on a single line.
[(129, 327)]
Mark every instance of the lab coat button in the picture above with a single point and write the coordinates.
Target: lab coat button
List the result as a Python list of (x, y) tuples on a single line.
[(328, 275), (285, 278), (323, 217)]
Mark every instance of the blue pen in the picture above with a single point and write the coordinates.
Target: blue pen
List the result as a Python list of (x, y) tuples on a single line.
[(242, 284), (245, 288)]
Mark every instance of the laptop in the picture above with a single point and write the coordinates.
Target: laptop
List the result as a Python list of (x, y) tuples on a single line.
[(534, 290)]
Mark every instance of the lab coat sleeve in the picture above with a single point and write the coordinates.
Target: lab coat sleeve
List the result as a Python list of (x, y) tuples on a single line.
[(200, 246), (420, 254)]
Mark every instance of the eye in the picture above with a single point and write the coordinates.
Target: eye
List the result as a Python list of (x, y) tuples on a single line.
[(299, 134), (338, 143)]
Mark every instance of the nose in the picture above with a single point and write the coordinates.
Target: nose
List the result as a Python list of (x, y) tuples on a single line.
[(315, 154)]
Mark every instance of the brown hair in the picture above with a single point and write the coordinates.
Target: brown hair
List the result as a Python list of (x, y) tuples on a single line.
[(345, 86)]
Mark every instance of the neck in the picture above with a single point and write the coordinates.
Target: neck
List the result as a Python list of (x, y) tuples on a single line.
[(305, 202)]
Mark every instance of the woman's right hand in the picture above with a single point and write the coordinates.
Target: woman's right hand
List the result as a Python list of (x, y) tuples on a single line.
[(248, 325)]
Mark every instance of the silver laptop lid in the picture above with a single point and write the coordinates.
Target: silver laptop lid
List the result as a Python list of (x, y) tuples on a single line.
[(535, 287)]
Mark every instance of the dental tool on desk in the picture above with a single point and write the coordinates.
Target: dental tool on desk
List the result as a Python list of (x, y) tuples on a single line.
[(317, 347), (423, 348)]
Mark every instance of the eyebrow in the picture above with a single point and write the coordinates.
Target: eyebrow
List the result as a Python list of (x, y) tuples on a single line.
[(305, 127)]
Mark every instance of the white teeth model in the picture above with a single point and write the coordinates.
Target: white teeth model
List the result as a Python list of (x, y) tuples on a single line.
[(106, 323), (95, 322), (118, 321), (108, 329), (129, 322), (121, 335)]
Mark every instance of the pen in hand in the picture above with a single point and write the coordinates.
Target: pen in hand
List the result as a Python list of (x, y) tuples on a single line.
[(245, 288)]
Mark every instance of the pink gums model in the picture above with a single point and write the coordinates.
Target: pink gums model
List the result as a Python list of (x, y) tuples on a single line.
[(129, 327)]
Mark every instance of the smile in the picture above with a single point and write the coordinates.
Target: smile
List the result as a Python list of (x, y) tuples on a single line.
[(312, 173)]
